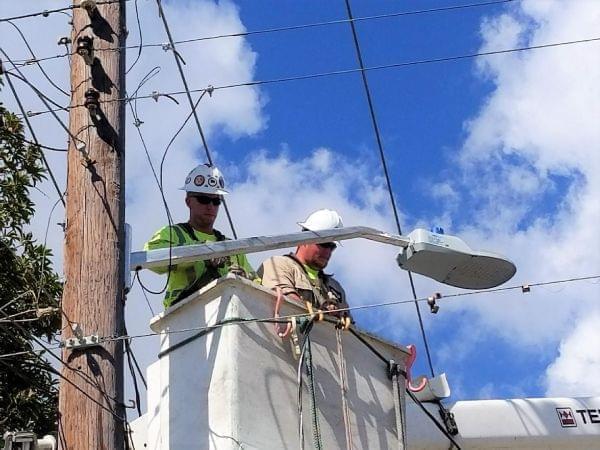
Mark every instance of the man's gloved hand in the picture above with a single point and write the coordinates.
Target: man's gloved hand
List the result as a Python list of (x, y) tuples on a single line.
[(217, 262)]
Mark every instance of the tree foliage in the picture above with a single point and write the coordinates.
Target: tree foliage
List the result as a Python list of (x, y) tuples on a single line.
[(29, 290)]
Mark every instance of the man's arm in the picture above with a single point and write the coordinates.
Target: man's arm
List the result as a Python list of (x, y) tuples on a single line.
[(275, 273)]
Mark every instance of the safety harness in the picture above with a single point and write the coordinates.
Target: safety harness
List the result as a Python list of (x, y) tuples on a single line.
[(211, 270)]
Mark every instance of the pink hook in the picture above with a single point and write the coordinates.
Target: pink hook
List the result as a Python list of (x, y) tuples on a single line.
[(412, 350)]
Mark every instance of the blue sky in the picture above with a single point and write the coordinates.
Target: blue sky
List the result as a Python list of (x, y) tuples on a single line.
[(502, 151)]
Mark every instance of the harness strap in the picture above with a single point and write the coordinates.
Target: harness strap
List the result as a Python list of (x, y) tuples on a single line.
[(194, 280), (322, 277), (344, 389)]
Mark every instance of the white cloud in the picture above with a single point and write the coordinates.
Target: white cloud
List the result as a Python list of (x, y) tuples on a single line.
[(538, 123), (576, 370)]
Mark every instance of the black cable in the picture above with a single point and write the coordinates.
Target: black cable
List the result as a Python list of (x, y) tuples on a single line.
[(85, 377), (22, 78), (288, 28), (319, 24), (136, 277), (433, 419), (141, 45), (42, 97), (20, 105), (42, 266), (37, 62), (137, 122), (191, 102), (47, 12), (386, 172), (52, 149), (133, 376), (285, 319), (189, 116), (137, 366), (333, 73)]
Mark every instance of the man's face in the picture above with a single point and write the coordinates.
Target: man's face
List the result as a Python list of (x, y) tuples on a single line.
[(203, 210), (317, 255)]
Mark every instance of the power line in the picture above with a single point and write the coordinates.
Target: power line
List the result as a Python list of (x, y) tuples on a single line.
[(166, 46), (47, 12), (155, 95), (177, 57), (386, 173), (524, 288), (35, 59), (283, 319), (20, 105)]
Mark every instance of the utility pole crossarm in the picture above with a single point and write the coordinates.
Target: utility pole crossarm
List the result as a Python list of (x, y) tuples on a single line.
[(179, 255)]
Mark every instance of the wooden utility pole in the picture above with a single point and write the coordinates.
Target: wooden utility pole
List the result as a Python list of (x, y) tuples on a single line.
[(91, 409)]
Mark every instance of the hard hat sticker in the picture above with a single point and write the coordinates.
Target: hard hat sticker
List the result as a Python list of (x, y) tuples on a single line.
[(199, 180), (187, 180), (212, 181)]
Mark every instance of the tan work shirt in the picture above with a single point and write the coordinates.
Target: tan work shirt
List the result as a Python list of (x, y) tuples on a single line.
[(289, 275)]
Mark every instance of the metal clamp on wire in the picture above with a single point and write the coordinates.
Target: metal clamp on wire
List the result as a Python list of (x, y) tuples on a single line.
[(394, 370), (431, 302), (318, 314)]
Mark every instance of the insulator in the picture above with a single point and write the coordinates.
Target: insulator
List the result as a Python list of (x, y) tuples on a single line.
[(85, 49), (91, 102)]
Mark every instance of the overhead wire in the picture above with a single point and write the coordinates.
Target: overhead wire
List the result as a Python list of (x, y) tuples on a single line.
[(386, 172), (138, 123), (34, 59), (303, 26), (141, 37), (33, 135), (83, 376), (178, 61), (45, 147), (47, 12), (286, 318), (157, 94)]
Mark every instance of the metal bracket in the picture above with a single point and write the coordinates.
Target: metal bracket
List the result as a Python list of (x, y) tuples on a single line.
[(82, 342), (79, 340), (449, 420)]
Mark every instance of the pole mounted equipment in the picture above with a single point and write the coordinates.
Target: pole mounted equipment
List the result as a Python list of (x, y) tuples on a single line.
[(92, 102), (85, 49), (89, 5)]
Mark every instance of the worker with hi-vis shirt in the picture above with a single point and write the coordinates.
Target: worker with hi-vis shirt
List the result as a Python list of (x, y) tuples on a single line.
[(300, 275), (205, 188)]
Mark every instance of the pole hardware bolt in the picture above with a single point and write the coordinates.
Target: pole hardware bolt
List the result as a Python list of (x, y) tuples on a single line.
[(85, 49)]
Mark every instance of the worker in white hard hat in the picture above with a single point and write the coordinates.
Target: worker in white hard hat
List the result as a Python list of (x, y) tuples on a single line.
[(300, 275), (205, 188)]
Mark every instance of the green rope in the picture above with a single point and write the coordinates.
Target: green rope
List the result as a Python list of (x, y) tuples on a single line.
[(313, 400)]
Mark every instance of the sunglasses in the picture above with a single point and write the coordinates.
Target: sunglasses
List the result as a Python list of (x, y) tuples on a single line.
[(328, 245), (205, 200)]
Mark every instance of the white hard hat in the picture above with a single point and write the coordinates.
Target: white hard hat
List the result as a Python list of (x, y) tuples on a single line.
[(205, 179), (323, 219)]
